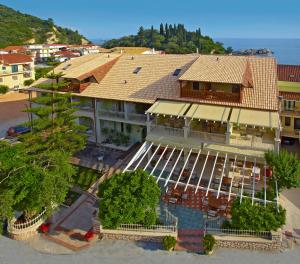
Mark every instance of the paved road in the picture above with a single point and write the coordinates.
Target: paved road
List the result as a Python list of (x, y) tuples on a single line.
[(116, 252)]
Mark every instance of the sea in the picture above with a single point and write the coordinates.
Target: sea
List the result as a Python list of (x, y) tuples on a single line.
[(286, 51)]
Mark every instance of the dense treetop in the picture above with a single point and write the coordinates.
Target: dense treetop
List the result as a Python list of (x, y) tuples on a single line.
[(17, 28), (169, 38)]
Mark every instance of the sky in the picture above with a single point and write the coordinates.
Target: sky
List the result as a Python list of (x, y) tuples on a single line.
[(98, 19)]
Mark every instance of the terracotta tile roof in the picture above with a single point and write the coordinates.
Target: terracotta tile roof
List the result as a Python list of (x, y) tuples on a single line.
[(14, 58), (15, 49), (84, 65), (290, 96), (155, 79), (288, 73)]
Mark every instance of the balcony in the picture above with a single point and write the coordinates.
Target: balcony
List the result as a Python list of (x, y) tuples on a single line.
[(166, 131), (291, 112), (111, 114), (142, 118), (208, 137), (210, 95)]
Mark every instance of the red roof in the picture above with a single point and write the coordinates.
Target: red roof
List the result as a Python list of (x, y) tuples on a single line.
[(14, 58), (14, 48), (66, 53), (288, 73), (290, 96)]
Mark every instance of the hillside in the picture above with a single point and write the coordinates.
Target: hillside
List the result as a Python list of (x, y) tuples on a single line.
[(170, 38), (17, 29)]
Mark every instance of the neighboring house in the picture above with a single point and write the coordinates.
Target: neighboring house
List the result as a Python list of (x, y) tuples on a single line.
[(65, 55), (43, 52), (15, 49), (15, 69), (289, 90)]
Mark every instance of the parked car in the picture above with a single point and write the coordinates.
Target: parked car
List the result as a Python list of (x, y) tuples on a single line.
[(17, 130), (287, 141)]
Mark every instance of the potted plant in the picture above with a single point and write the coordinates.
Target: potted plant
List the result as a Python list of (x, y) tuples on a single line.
[(45, 227), (169, 243), (89, 235), (208, 244)]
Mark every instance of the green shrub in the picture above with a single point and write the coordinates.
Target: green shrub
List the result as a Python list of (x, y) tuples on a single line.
[(3, 89), (28, 82), (169, 242), (208, 243), (1, 227)]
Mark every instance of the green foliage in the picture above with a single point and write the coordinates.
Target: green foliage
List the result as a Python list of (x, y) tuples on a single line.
[(17, 29), (1, 227), (246, 216), (3, 89), (208, 243), (169, 242), (172, 39), (128, 198), (84, 178), (42, 72), (286, 168), (28, 82)]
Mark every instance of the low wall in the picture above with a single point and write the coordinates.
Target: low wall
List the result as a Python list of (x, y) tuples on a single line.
[(26, 233), (148, 236), (252, 243)]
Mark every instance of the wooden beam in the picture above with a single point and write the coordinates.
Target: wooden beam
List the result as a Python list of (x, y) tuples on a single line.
[(203, 168), (159, 160), (233, 171), (222, 175), (212, 173), (136, 156), (138, 164), (152, 157), (175, 164), (184, 165), (165, 165), (253, 185), (242, 189), (192, 171)]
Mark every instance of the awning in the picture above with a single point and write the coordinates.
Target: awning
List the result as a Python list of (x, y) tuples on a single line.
[(209, 112), (171, 108), (255, 118)]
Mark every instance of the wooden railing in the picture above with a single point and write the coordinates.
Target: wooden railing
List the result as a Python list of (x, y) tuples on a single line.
[(210, 95)]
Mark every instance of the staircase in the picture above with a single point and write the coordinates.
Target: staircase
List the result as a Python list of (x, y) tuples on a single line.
[(190, 240)]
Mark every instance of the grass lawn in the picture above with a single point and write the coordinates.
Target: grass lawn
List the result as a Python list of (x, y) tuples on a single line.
[(85, 177)]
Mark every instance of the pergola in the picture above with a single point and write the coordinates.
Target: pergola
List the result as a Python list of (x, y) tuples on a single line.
[(140, 158)]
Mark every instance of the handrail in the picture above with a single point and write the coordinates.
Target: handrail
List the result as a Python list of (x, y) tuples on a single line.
[(29, 223)]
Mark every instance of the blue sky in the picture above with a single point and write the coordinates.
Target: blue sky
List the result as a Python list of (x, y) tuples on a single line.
[(217, 18)]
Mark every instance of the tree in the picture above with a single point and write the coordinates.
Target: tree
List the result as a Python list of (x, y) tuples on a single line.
[(3, 89), (161, 29), (141, 37), (128, 198), (28, 82), (286, 169), (245, 216)]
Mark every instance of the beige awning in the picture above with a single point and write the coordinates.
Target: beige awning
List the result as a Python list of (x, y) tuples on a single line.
[(171, 108), (255, 118), (209, 112)]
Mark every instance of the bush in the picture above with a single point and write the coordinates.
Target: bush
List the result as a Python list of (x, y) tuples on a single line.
[(128, 198), (3, 89), (28, 82), (208, 243), (169, 242), (257, 217)]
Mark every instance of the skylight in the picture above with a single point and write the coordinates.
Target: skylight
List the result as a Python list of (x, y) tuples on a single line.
[(136, 71), (176, 72)]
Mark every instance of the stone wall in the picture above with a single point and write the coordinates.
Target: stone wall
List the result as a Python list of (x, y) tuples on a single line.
[(252, 243)]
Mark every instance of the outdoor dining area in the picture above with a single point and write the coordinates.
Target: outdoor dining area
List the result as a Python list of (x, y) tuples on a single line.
[(204, 180)]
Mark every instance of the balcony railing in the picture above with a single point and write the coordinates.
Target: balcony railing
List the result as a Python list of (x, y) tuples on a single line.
[(137, 117), (167, 131), (208, 137), (210, 95), (252, 141), (111, 113)]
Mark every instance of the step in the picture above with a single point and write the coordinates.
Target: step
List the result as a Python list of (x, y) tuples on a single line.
[(190, 232), (189, 239), (194, 248)]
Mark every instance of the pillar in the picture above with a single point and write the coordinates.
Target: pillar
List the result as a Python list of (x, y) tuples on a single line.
[(126, 110), (148, 123), (228, 132), (277, 139), (186, 128)]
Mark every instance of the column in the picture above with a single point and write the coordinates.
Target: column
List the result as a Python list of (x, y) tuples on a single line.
[(126, 110), (148, 123), (228, 132), (97, 122), (277, 139), (186, 129)]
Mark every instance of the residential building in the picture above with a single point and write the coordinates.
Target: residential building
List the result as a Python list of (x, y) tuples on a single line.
[(289, 90), (15, 69), (43, 52), (212, 115)]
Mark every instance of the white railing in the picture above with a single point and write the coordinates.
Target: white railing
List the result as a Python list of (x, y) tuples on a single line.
[(210, 137), (168, 131), (252, 142), (151, 228), (238, 233), (170, 218), (137, 117), (30, 223), (111, 113)]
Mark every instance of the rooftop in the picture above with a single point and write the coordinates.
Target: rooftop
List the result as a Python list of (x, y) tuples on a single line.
[(15, 58), (288, 73)]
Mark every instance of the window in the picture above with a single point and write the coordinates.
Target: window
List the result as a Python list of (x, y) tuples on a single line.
[(3, 68), (1, 80), (297, 123), (176, 72), (15, 78), (287, 121), (289, 105), (136, 71), (14, 68), (235, 88), (196, 86)]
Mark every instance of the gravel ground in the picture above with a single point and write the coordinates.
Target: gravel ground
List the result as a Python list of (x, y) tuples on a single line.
[(115, 252)]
